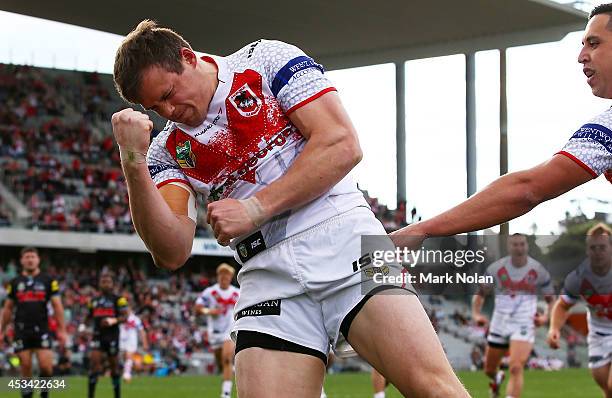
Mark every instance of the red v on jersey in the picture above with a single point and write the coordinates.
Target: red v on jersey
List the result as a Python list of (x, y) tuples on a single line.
[(228, 151)]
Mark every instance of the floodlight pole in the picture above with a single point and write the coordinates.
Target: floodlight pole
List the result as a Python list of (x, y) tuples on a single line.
[(470, 122), (400, 129), (504, 228)]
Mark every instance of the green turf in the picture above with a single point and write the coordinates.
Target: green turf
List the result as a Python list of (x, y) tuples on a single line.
[(538, 384)]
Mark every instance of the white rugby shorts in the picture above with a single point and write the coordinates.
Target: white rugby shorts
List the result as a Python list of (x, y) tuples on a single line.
[(504, 328), (600, 349), (301, 289)]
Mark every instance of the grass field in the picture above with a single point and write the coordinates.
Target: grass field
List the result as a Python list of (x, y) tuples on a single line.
[(538, 384)]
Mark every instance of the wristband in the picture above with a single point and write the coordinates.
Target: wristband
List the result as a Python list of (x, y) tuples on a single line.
[(254, 210), (130, 156)]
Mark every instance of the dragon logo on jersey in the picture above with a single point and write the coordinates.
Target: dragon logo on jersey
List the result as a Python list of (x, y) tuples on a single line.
[(246, 101), (243, 250), (185, 156)]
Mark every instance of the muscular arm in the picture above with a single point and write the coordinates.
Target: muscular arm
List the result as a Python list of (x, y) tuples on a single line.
[(200, 309), (331, 152), (159, 216), (58, 313), (506, 198), (559, 314), (143, 339), (7, 314), (477, 302)]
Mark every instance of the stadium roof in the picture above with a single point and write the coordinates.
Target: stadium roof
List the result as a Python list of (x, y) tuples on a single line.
[(338, 33)]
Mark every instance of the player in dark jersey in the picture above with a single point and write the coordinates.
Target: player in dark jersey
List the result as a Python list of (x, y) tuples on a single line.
[(106, 311), (28, 295)]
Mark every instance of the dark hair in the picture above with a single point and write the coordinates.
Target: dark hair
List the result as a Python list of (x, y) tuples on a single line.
[(28, 249), (601, 9), (147, 45)]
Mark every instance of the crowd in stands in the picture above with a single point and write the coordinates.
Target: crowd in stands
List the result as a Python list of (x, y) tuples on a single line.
[(56, 150), (57, 154), (165, 307)]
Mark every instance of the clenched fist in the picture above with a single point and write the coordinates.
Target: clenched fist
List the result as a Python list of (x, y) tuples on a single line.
[(132, 130), (554, 338), (231, 218)]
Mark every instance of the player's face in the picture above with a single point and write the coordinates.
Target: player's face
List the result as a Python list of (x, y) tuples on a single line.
[(599, 250), (182, 98), (517, 246), (106, 283), (30, 261), (596, 55), (224, 278)]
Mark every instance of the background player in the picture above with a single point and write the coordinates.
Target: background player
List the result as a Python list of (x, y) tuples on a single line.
[(217, 303), (379, 383), (28, 295), (591, 281), (518, 278), (129, 332), (587, 154), (107, 311)]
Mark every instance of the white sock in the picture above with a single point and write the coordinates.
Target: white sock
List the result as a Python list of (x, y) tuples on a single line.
[(323, 395), (226, 388), (379, 394), (127, 368)]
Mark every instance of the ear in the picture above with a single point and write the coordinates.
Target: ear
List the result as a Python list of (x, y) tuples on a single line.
[(189, 56)]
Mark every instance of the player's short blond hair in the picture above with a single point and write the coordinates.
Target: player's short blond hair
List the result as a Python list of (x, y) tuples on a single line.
[(226, 267), (598, 230)]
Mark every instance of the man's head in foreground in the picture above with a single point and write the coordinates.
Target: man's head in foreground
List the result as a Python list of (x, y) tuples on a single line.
[(156, 68), (596, 53)]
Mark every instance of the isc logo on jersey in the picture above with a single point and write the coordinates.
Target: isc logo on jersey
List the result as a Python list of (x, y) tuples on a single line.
[(246, 101)]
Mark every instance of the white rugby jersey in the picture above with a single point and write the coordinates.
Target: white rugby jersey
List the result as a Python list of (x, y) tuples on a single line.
[(216, 298), (591, 146), (129, 329), (516, 288), (596, 291), (247, 141)]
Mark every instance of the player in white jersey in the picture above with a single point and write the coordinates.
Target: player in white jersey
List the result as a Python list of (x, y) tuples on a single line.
[(379, 383), (518, 279), (587, 155), (591, 281), (129, 333), (217, 303), (262, 135)]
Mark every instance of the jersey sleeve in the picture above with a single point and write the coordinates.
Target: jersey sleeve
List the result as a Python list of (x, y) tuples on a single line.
[(545, 285), (162, 166), (204, 299), (54, 289), (492, 271), (294, 78), (11, 291), (591, 146), (570, 292)]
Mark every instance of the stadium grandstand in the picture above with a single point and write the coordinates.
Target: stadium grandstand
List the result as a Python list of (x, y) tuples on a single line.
[(58, 161), (62, 190)]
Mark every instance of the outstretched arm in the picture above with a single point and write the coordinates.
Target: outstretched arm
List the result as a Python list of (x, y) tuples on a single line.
[(508, 197)]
